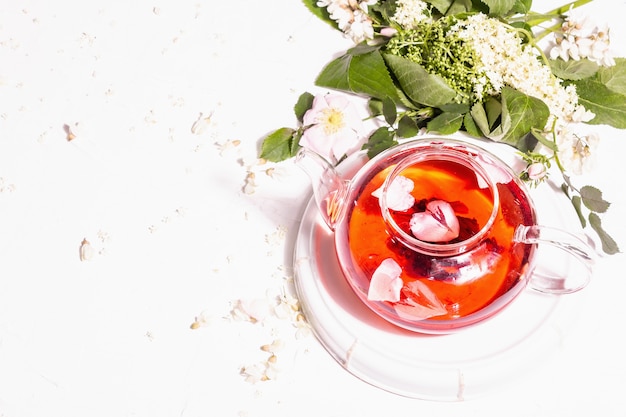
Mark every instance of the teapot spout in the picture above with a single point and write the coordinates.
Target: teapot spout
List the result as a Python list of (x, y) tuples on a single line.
[(329, 189)]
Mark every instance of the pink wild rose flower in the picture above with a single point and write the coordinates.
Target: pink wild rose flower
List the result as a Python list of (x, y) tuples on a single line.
[(332, 127)]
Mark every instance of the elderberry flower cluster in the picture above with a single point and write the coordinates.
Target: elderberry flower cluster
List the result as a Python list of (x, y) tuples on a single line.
[(409, 13), (351, 17), (505, 59), (440, 51)]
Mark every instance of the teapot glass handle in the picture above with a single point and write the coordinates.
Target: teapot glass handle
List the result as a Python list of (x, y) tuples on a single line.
[(548, 280)]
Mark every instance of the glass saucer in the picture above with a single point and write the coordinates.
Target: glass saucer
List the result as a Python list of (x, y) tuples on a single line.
[(453, 367)]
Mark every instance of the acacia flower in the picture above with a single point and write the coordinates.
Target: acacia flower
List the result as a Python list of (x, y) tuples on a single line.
[(577, 152), (581, 38), (351, 17), (332, 127)]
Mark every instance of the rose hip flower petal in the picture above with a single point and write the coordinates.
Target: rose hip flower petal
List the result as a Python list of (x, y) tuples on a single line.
[(437, 224), (386, 283), (334, 127), (399, 196)]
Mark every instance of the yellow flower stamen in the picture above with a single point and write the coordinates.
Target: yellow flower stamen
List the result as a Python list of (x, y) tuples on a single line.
[(333, 121)]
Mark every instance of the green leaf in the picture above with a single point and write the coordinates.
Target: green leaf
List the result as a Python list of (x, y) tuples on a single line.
[(375, 106), (538, 134), (278, 146), (520, 114), (573, 70), (441, 6), (494, 111), (608, 106), (418, 84), (381, 139), (360, 73), (336, 74), (459, 7), (499, 7), (577, 202), (389, 111), (522, 6), (479, 116), (592, 199), (446, 123), (455, 107), (470, 126), (614, 77), (295, 142), (305, 102), (407, 127), (609, 246)]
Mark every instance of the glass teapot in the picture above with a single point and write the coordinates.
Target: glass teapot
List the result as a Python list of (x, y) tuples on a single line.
[(437, 234)]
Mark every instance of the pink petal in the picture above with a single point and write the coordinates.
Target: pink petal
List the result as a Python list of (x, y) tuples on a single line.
[(386, 283), (399, 196), (422, 303), (497, 174), (312, 115), (437, 224), (343, 139), (316, 140)]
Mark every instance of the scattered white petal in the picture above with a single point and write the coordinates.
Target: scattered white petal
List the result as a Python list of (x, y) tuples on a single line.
[(6, 187), (85, 251), (303, 328), (254, 373), (202, 320), (277, 237), (250, 183), (251, 310), (275, 347)]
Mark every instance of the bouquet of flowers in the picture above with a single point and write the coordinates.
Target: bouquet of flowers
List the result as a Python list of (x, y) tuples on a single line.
[(493, 69)]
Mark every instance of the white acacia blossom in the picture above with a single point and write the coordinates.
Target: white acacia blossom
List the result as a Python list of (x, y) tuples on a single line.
[(505, 60), (581, 38), (351, 17), (409, 13), (577, 152)]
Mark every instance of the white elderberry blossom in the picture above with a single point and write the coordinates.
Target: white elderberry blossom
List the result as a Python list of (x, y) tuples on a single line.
[(351, 17), (507, 61), (409, 13), (582, 38)]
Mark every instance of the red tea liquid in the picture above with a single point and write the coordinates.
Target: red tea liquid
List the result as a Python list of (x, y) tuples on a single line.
[(464, 283)]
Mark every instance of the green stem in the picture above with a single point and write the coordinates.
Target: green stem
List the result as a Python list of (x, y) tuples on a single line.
[(547, 31), (533, 19), (566, 7)]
